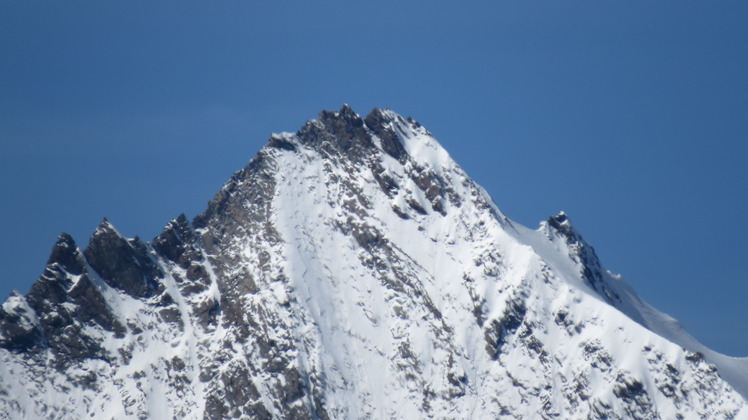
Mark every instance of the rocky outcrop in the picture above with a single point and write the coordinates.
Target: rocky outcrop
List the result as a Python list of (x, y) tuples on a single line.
[(123, 264)]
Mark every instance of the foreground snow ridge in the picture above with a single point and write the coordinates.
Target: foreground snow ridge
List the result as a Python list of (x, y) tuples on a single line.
[(351, 270)]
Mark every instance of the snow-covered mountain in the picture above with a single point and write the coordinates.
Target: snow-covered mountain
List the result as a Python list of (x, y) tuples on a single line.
[(350, 270)]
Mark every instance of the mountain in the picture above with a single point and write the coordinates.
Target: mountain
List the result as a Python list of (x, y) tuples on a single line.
[(350, 270)]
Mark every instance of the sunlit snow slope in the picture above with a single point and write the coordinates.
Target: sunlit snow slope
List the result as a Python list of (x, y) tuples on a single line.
[(351, 270)]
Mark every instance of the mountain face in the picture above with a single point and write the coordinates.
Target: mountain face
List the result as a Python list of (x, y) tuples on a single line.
[(350, 270)]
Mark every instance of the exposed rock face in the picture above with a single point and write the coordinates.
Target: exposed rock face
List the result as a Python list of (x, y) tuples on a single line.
[(350, 270), (121, 263)]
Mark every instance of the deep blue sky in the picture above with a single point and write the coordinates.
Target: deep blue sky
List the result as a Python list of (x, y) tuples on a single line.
[(630, 116)]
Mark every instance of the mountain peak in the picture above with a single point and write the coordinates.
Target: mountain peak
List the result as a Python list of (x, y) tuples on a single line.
[(340, 133), (65, 252), (105, 227), (346, 113), (351, 270), (346, 133)]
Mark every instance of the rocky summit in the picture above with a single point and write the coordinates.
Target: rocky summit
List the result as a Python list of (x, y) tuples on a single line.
[(352, 270)]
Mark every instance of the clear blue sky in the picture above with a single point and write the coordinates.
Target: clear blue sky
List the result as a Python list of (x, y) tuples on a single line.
[(630, 116)]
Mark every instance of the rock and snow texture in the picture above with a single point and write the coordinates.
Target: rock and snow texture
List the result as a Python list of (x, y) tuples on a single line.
[(351, 270)]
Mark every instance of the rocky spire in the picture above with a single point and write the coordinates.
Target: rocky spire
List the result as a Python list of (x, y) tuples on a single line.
[(122, 264)]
